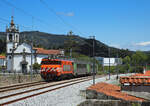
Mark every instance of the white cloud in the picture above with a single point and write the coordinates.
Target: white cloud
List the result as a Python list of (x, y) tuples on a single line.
[(69, 14), (143, 44)]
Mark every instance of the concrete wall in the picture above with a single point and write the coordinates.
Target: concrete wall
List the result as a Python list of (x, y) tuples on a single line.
[(91, 94), (93, 102), (94, 98), (8, 79), (136, 88)]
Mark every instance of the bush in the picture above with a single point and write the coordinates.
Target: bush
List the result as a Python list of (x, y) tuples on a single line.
[(0, 68), (36, 67)]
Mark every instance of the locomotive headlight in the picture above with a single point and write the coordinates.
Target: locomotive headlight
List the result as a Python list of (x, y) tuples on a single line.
[(59, 69), (42, 69)]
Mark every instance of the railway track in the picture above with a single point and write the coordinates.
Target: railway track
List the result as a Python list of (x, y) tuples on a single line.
[(8, 99), (20, 86)]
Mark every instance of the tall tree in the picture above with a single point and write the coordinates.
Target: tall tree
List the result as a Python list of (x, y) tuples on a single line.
[(139, 58)]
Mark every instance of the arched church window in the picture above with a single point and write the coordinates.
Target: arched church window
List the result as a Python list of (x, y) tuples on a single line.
[(9, 57), (16, 38), (10, 37)]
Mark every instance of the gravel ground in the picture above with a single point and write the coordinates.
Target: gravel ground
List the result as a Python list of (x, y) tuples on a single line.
[(68, 96)]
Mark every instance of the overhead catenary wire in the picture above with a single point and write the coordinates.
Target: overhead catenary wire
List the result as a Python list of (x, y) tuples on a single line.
[(39, 20), (27, 13), (59, 17), (21, 10)]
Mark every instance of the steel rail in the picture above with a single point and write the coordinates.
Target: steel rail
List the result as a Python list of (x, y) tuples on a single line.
[(4, 87), (22, 86), (12, 101), (27, 91)]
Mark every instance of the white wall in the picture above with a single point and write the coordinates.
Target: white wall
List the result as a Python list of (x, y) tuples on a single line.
[(17, 62), (8, 63), (106, 62), (17, 65), (40, 57), (2, 62), (9, 46), (23, 46)]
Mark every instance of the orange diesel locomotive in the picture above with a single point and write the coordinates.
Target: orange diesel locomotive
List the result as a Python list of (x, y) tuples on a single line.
[(56, 69)]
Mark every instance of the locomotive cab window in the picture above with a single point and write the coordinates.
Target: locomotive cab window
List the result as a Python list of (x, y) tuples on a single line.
[(51, 62)]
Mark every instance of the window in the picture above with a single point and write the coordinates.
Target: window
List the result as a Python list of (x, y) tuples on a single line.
[(66, 68), (51, 62), (10, 37), (9, 57), (81, 66), (16, 38)]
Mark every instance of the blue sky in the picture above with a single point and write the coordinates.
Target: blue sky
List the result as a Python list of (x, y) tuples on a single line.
[(118, 23)]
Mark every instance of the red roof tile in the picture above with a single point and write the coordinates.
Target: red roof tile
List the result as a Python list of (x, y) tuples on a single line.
[(137, 79), (113, 90), (43, 51), (2, 57)]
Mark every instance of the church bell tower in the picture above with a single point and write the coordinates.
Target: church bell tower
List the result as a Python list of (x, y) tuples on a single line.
[(12, 41), (12, 36)]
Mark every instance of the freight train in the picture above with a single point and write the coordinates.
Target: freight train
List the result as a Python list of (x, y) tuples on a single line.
[(58, 69)]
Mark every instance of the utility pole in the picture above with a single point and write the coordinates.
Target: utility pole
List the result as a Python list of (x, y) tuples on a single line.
[(31, 51), (70, 40), (12, 63), (109, 61), (117, 65), (31, 57), (93, 37)]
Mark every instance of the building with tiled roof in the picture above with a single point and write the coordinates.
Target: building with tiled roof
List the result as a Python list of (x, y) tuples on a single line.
[(2, 60), (19, 56), (112, 91), (48, 52)]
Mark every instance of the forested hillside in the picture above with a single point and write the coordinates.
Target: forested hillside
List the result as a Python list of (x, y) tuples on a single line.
[(78, 44)]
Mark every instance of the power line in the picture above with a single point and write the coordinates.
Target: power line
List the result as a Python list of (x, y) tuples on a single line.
[(59, 17), (39, 20), (21, 10), (26, 13)]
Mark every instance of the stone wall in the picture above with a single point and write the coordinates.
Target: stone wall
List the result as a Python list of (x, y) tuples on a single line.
[(96, 102), (92, 94), (136, 88), (18, 78), (94, 98)]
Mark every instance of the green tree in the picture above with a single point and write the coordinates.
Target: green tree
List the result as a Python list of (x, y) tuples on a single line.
[(127, 60), (139, 61), (139, 58), (36, 67), (126, 63)]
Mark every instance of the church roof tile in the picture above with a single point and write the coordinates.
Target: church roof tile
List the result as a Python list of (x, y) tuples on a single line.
[(2, 57), (43, 51)]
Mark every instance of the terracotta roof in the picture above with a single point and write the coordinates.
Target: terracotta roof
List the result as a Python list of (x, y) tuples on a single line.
[(2, 57), (136, 79), (147, 72), (43, 51), (114, 91)]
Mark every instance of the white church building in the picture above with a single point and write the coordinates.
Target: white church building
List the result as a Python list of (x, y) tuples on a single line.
[(19, 57)]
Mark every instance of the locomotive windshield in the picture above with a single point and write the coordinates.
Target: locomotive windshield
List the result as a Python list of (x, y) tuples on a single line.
[(51, 62)]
